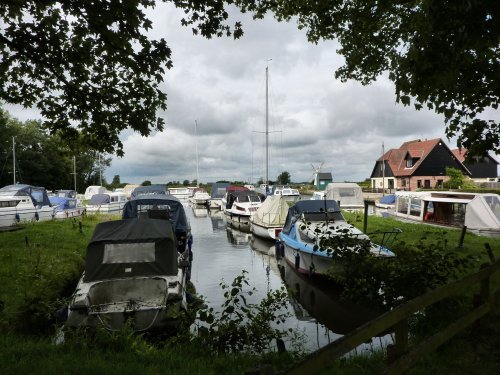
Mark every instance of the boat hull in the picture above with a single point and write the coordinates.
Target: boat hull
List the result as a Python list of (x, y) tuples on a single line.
[(267, 232), (106, 208), (10, 217)]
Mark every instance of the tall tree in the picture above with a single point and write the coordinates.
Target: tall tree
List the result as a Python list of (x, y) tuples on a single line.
[(89, 63), (443, 55), (283, 178)]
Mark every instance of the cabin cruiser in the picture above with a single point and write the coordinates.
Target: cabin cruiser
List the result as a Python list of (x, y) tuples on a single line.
[(133, 273), (307, 223), (217, 193), (348, 195), (241, 203), (290, 194), (23, 203), (200, 197), (65, 207), (479, 212), (267, 222), (106, 203)]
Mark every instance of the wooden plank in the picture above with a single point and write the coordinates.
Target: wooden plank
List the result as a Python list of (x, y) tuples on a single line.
[(404, 363), (329, 353)]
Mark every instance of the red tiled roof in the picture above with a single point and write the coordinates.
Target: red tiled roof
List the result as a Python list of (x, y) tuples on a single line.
[(417, 149)]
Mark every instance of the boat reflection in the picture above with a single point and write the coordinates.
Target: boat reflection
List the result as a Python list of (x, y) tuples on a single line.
[(262, 246), (199, 211), (320, 299), (217, 219), (236, 236)]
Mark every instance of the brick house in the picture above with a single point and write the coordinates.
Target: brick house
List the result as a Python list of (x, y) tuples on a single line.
[(416, 164), (482, 169)]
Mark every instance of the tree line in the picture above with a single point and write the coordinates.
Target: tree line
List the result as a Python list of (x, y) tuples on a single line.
[(42, 159)]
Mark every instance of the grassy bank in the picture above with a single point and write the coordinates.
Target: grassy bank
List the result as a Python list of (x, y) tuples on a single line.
[(41, 263)]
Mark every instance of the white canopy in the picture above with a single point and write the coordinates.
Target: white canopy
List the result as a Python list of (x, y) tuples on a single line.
[(483, 213), (272, 212), (349, 194)]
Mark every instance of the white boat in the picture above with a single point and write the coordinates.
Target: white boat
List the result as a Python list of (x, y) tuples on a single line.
[(267, 222), (93, 190), (288, 193), (241, 203), (65, 208), (149, 190), (348, 195), (180, 192), (132, 274), (479, 212), (200, 197), (318, 195), (106, 203), (24, 203), (218, 192), (310, 220)]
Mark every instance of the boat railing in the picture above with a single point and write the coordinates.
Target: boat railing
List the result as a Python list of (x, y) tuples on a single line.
[(388, 236)]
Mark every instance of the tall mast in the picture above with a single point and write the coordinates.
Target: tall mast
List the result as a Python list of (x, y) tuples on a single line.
[(267, 127), (196, 145), (14, 157), (74, 170), (100, 171), (383, 170)]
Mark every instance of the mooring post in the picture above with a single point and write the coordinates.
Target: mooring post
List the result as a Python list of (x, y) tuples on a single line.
[(365, 219), (462, 236)]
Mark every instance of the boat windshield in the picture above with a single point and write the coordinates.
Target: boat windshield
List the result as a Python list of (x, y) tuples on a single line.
[(320, 216)]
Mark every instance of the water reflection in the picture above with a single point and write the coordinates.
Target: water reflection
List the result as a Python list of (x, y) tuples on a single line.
[(315, 310)]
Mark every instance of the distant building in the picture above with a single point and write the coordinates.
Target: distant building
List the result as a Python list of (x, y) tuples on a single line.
[(321, 179), (482, 169), (416, 164)]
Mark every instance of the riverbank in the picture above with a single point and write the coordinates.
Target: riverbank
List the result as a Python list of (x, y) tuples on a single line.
[(40, 264)]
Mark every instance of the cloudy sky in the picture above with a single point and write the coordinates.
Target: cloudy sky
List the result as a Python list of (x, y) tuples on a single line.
[(220, 84)]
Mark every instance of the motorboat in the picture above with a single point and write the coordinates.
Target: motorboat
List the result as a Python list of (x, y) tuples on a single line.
[(24, 203), (308, 223), (133, 275), (386, 202), (288, 193), (267, 222), (106, 203), (217, 193), (92, 190), (241, 204), (181, 192), (65, 208), (348, 195), (200, 197), (318, 195), (478, 212)]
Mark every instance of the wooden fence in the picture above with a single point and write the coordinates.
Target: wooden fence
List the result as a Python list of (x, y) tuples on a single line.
[(397, 320)]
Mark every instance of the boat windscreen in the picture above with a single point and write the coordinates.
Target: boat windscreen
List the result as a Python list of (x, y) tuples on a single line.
[(320, 216)]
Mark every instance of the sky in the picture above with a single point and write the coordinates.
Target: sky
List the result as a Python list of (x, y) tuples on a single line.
[(215, 123)]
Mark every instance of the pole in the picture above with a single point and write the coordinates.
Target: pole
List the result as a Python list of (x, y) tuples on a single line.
[(267, 127), (74, 171), (100, 171), (196, 145), (14, 157), (383, 170)]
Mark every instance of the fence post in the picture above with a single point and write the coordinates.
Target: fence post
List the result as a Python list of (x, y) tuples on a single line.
[(462, 236), (365, 219)]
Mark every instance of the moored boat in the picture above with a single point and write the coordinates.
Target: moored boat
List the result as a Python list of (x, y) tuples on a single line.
[(106, 203), (310, 221), (241, 204), (65, 208), (132, 274), (288, 193), (267, 222), (200, 197), (23, 203)]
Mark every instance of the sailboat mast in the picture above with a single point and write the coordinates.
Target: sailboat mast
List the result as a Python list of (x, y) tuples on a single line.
[(267, 127), (74, 171), (196, 145), (14, 157), (383, 170), (100, 171)]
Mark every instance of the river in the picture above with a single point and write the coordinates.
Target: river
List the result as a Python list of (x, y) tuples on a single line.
[(221, 252)]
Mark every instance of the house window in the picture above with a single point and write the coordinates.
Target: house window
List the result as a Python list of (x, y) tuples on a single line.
[(409, 163), (419, 184), (439, 183), (427, 184)]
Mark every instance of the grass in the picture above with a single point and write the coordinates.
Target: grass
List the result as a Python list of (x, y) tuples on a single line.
[(41, 263)]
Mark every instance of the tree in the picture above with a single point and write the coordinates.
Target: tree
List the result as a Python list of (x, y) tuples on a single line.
[(146, 183), (457, 180), (90, 64), (283, 178), (443, 55)]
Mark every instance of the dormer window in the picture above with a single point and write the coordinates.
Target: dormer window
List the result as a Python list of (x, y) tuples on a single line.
[(409, 162)]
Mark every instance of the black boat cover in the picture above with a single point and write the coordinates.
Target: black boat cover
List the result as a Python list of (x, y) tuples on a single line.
[(158, 206), (130, 248), (315, 209)]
